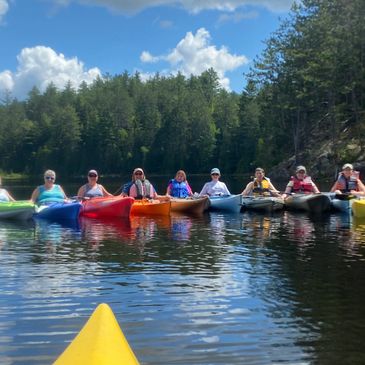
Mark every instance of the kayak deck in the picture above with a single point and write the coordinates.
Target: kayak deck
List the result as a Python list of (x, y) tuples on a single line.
[(100, 342)]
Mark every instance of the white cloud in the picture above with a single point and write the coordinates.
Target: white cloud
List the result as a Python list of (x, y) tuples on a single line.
[(38, 66), (4, 7), (148, 58), (236, 17), (194, 55), (193, 6)]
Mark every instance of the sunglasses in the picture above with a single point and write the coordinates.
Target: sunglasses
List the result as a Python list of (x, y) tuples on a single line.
[(92, 175), (49, 177), (215, 174), (138, 173)]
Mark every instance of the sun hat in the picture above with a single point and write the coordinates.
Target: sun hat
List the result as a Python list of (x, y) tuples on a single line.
[(300, 168), (215, 170), (347, 166)]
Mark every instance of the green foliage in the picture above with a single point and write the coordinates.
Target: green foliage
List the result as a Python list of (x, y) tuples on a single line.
[(308, 85)]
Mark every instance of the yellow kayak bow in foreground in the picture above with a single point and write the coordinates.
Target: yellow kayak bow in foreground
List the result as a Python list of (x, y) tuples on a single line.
[(101, 341)]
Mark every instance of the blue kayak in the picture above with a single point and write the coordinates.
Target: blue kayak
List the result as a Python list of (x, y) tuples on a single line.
[(59, 211), (230, 203)]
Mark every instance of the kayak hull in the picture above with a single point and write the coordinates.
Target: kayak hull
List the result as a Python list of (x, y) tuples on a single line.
[(313, 203), (21, 209), (107, 207), (151, 207), (229, 203), (191, 206), (60, 211), (263, 203), (358, 208), (100, 342)]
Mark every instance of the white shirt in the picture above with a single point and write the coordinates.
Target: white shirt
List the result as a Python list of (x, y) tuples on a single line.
[(215, 188)]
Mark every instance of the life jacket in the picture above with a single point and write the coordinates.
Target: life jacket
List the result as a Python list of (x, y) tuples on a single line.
[(126, 187), (346, 185), (302, 186), (143, 189), (179, 189), (260, 188)]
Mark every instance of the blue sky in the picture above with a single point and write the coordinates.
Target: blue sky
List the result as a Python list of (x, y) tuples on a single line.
[(78, 40)]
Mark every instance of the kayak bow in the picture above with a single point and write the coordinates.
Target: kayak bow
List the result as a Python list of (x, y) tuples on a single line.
[(100, 342)]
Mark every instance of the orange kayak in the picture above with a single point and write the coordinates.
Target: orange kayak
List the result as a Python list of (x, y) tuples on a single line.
[(104, 207), (192, 206), (151, 207)]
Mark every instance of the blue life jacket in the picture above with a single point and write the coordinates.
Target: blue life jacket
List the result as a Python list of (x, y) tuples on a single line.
[(179, 189)]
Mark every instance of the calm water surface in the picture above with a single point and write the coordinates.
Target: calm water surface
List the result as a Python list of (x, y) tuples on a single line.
[(218, 289)]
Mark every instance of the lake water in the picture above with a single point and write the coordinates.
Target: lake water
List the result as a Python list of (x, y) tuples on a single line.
[(218, 289)]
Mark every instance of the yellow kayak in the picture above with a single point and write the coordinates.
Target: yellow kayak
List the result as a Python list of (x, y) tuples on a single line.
[(100, 342), (358, 208)]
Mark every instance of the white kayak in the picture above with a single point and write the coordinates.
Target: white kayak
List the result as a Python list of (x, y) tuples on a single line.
[(313, 203), (230, 203), (265, 203)]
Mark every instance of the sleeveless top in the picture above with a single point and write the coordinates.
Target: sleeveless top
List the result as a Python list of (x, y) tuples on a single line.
[(92, 191), (53, 195), (4, 196)]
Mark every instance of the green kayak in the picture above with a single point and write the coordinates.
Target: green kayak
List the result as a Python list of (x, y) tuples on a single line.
[(21, 209)]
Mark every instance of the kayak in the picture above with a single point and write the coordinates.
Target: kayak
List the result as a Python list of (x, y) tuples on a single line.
[(265, 203), (189, 205), (358, 208), (342, 202), (21, 209), (313, 203), (231, 203), (59, 210), (100, 342), (104, 207), (151, 207)]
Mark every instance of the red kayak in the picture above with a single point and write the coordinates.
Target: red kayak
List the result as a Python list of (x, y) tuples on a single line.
[(104, 207)]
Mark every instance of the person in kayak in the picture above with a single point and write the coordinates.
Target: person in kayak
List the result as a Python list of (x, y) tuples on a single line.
[(260, 186), (179, 186), (140, 188), (92, 189), (215, 187), (49, 192), (4, 194), (348, 182), (300, 183)]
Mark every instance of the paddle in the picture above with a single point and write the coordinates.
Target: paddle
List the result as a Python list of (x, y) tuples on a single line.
[(345, 196)]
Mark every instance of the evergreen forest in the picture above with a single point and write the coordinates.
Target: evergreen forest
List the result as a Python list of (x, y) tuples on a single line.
[(303, 102)]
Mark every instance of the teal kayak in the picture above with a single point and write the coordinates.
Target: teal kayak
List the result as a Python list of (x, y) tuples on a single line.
[(21, 209)]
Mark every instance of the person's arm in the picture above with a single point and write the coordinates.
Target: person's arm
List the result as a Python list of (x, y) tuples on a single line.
[(63, 192), (225, 189), (9, 196), (361, 188), (35, 195), (334, 188), (190, 191), (288, 189), (81, 192), (204, 191), (315, 188), (247, 190), (168, 190), (133, 191), (105, 192), (273, 190)]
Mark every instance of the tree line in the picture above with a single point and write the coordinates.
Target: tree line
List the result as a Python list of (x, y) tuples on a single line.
[(307, 86)]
